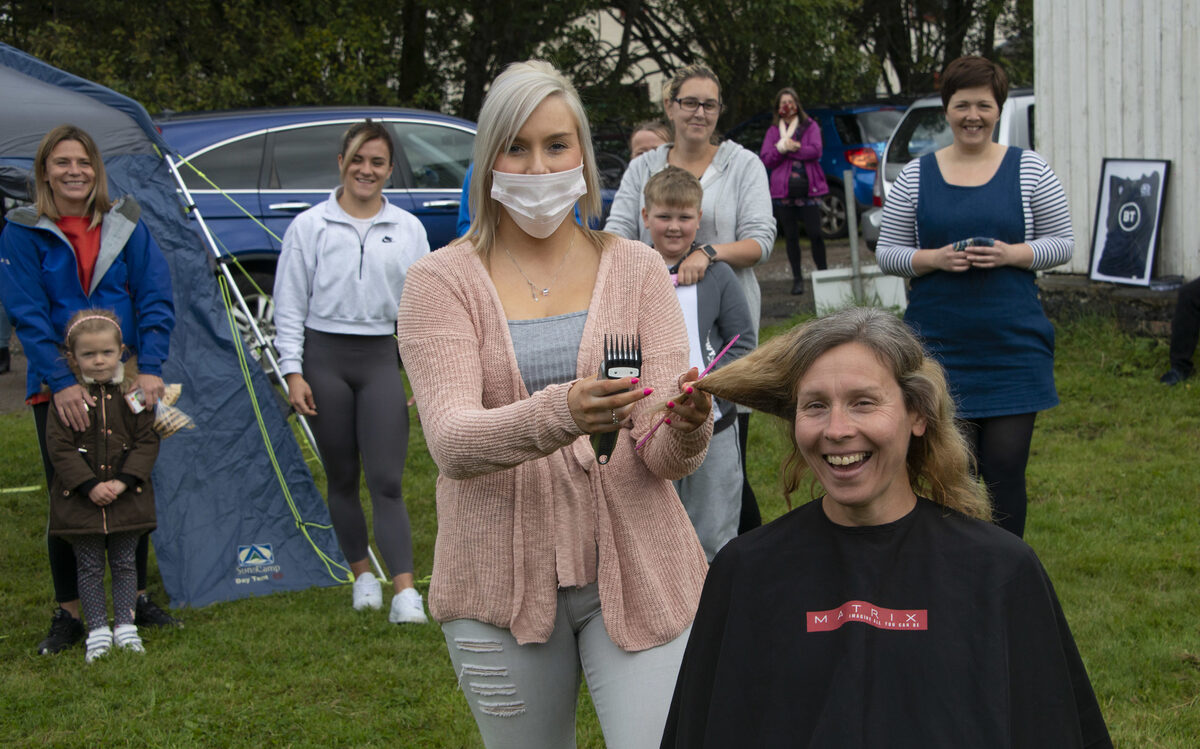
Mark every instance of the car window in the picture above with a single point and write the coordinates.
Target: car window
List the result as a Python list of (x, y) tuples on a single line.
[(877, 126), (924, 129), (750, 134), (437, 156), (233, 166), (847, 131), (305, 158), (611, 167)]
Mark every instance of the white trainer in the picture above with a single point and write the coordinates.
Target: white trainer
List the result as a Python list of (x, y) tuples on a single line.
[(99, 643), (127, 638), (407, 608), (368, 594)]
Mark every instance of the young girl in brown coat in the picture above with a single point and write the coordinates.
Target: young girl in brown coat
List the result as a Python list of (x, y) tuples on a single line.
[(101, 498)]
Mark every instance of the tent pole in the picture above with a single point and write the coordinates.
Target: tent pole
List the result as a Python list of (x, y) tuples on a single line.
[(265, 348)]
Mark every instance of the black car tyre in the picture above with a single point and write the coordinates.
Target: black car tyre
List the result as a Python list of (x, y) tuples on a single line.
[(833, 212)]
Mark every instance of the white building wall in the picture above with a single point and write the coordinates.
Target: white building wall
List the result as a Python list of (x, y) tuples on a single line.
[(1121, 79)]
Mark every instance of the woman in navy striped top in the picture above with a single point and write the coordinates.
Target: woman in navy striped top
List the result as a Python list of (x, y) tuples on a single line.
[(970, 224)]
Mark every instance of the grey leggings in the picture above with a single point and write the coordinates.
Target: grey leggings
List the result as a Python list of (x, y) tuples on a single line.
[(362, 409), (524, 696), (712, 494), (89, 554)]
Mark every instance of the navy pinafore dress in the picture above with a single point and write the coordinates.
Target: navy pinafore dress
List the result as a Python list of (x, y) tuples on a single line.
[(986, 326)]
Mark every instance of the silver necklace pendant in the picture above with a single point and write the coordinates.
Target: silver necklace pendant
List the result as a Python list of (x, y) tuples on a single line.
[(534, 289)]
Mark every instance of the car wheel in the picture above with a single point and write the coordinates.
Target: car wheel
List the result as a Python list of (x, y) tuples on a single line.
[(261, 306), (833, 213)]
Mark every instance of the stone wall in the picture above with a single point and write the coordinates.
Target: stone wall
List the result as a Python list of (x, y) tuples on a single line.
[(1138, 310)]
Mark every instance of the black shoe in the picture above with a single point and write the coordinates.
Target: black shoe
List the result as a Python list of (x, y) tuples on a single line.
[(65, 632), (148, 614), (5, 361), (797, 288), (1173, 376)]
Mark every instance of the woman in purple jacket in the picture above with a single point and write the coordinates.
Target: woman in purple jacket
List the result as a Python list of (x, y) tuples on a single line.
[(791, 151)]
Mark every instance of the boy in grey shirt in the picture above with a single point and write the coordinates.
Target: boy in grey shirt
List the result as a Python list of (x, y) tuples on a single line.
[(715, 311)]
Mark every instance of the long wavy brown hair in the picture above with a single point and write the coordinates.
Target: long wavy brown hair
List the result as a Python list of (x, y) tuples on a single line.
[(939, 462)]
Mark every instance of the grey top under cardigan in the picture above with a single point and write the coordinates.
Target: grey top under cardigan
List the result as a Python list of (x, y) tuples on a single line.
[(547, 348)]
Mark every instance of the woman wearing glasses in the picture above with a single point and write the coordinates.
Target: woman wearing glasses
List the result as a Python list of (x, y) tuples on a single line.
[(736, 223)]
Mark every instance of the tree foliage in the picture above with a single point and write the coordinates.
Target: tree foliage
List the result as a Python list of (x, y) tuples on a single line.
[(211, 54), (757, 48), (917, 38)]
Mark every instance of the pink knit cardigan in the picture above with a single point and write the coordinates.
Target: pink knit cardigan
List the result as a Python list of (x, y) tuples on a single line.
[(501, 453)]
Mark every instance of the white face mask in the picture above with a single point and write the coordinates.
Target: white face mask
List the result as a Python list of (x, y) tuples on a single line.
[(538, 203)]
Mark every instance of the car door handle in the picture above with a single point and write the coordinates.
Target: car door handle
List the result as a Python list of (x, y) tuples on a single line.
[(440, 204), (290, 206)]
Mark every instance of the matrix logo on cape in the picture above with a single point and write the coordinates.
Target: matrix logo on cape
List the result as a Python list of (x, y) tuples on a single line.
[(256, 564), (255, 554), (869, 614)]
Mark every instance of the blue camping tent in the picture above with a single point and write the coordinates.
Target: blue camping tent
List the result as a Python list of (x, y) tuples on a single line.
[(228, 525)]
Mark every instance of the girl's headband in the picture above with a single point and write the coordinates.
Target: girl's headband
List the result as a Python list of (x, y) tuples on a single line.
[(92, 317)]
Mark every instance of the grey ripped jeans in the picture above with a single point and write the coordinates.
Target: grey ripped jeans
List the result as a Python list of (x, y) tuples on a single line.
[(525, 695)]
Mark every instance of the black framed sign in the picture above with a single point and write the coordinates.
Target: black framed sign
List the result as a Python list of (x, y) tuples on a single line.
[(1128, 219)]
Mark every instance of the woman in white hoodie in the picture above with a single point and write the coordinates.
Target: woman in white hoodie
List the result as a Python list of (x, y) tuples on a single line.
[(337, 288)]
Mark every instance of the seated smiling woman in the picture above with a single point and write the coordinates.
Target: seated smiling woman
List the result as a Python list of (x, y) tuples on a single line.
[(887, 612)]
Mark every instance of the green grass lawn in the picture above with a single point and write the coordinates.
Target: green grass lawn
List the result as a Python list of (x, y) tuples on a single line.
[(1115, 517)]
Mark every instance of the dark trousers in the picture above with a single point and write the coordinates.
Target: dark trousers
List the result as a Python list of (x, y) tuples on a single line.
[(789, 217), (63, 568), (1185, 327), (1001, 448), (750, 517)]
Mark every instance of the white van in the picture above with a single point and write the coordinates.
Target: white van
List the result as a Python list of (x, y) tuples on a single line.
[(924, 129)]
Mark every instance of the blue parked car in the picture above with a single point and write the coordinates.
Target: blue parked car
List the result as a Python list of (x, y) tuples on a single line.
[(278, 162), (853, 136)]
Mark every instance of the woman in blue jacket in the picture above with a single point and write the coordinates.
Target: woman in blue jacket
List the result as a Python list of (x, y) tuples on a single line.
[(75, 249)]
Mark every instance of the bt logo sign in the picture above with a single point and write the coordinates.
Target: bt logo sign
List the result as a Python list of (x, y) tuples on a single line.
[(1130, 216)]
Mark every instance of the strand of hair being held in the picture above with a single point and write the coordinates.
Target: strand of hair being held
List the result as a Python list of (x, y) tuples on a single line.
[(684, 396)]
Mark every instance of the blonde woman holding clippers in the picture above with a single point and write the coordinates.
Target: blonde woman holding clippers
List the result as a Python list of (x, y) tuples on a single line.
[(547, 562)]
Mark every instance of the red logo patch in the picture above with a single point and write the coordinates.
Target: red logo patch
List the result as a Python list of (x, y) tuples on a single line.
[(868, 613)]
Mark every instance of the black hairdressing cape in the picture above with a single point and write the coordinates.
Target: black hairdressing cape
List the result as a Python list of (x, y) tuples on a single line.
[(933, 631)]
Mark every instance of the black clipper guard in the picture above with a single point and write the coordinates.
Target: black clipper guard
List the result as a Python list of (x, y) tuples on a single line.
[(622, 358)]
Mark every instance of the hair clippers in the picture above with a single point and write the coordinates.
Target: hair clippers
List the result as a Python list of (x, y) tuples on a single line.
[(622, 358)]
